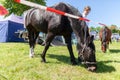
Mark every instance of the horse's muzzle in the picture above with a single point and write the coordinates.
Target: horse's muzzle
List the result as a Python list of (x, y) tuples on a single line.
[(92, 68)]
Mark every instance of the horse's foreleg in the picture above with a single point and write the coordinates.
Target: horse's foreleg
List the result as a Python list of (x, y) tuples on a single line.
[(69, 46), (32, 40), (47, 42)]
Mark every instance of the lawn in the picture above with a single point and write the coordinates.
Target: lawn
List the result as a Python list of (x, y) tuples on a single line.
[(15, 63)]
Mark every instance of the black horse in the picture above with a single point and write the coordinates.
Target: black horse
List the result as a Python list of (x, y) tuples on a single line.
[(38, 20)]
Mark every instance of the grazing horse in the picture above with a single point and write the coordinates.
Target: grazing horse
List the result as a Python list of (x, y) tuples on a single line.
[(105, 37), (38, 20)]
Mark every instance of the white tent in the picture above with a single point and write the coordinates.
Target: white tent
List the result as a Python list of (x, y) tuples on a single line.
[(14, 18)]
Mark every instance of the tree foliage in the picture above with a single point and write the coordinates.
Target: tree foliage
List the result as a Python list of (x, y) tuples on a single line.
[(114, 28), (95, 28), (17, 8)]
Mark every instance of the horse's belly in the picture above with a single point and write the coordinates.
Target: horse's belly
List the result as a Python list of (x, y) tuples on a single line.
[(40, 25), (42, 28)]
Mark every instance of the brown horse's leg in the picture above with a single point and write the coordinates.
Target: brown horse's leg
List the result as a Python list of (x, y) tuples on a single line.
[(107, 45), (101, 46), (47, 42), (69, 46)]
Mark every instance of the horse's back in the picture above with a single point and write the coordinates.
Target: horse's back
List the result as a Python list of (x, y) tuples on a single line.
[(109, 33), (41, 19), (105, 33), (45, 21)]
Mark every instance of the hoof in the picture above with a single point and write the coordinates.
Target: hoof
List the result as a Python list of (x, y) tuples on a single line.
[(31, 56), (43, 59), (74, 63)]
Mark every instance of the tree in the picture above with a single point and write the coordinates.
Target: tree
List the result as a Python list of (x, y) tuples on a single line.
[(17, 8), (95, 28), (114, 29)]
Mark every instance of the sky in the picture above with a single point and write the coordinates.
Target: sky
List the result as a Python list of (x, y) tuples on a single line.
[(103, 11)]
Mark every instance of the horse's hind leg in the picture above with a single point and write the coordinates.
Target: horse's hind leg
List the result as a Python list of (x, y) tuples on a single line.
[(69, 46), (47, 42), (32, 35)]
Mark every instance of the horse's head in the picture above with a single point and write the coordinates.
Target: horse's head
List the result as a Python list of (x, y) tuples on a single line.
[(86, 53), (85, 45), (104, 34), (104, 46)]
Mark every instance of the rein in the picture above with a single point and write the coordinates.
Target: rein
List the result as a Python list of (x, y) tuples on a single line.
[(86, 62)]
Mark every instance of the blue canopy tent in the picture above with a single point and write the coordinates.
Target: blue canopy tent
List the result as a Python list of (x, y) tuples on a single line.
[(8, 28)]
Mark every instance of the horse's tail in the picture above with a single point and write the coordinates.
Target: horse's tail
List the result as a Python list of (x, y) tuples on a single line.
[(110, 35)]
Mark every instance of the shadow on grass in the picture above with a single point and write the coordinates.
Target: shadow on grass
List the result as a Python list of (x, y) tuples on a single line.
[(114, 50), (3, 77), (102, 67), (61, 58), (109, 61)]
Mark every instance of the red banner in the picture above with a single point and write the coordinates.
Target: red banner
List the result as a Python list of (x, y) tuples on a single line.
[(3, 10), (17, 1)]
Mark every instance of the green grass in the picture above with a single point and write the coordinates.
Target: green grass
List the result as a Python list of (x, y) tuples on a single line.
[(15, 63)]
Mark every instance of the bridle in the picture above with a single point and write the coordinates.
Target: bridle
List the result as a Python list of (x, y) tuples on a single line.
[(81, 54), (83, 49), (104, 44)]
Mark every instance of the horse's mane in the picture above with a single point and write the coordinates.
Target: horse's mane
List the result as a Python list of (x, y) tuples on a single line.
[(104, 33), (81, 30), (74, 10), (70, 9)]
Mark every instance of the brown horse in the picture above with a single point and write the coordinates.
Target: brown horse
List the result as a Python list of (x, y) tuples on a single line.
[(105, 37)]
